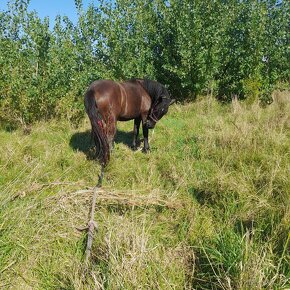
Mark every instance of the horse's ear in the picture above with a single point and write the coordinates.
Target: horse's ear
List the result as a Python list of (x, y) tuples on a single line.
[(172, 102)]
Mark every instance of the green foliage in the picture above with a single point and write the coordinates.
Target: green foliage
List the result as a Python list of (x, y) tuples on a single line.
[(221, 48), (252, 88)]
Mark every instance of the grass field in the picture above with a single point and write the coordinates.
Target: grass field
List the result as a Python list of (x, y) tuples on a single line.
[(207, 208)]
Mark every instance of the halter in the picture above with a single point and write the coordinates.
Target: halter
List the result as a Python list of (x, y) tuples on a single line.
[(152, 115)]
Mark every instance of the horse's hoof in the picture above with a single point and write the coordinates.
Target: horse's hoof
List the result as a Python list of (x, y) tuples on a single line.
[(134, 148), (144, 150)]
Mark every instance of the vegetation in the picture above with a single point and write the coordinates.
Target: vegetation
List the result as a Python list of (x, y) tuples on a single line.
[(207, 208), (222, 48)]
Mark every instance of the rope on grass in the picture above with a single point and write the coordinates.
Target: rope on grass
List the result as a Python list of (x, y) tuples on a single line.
[(93, 226)]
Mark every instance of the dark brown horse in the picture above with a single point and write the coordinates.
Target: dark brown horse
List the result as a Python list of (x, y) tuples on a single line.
[(107, 102)]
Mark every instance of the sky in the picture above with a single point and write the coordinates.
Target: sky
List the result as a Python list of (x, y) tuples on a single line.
[(52, 8)]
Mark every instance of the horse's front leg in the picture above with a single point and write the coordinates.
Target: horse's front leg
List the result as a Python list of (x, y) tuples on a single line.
[(145, 134), (137, 122)]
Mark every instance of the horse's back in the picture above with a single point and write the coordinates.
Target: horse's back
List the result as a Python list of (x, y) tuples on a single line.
[(136, 99), (125, 101), (104, 87), (107, 96)]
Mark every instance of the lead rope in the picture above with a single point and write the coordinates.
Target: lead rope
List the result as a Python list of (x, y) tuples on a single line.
[(92, 225)]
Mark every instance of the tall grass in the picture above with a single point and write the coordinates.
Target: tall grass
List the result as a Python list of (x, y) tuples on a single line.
[(207, 208)]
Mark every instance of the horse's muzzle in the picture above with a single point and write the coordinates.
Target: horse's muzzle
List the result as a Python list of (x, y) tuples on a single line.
[(150, 124)]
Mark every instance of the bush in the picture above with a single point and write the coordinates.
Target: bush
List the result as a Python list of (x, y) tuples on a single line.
[(238, 48)]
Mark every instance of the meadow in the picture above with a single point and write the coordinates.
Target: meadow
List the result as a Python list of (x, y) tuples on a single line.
[(207, 208)]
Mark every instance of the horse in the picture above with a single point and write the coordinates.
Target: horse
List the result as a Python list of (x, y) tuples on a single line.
[(107, 102)]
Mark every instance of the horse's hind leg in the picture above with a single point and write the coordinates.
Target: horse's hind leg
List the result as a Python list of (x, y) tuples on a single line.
[(111, 132), (137, 122)]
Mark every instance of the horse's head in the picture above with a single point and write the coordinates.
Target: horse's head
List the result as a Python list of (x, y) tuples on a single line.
[(160, 101), (158, 110)]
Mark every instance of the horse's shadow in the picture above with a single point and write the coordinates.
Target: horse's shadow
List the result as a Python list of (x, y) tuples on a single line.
[(124, 138), (82, 141)]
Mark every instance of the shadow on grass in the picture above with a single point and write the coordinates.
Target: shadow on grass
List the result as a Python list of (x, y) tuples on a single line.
[(82, 141), (202, 196), (124, 137)]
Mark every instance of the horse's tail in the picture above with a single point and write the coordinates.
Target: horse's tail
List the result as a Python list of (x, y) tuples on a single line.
[(98, 130)]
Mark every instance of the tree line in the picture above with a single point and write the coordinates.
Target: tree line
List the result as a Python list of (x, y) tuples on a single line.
[(223, 48)]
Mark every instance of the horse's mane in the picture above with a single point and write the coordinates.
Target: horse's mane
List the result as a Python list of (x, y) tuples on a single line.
[(153, 88)]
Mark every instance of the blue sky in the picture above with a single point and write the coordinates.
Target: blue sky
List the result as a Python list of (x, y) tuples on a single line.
[(52, 8)]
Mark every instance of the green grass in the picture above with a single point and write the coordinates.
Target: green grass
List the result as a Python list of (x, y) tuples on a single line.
[(207, 208)]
